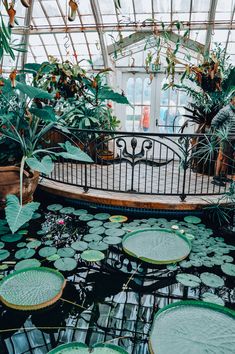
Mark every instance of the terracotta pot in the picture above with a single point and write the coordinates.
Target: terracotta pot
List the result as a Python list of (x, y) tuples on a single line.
[(10, 184)]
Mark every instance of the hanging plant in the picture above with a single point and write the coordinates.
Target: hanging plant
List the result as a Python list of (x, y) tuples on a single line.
[(73, 7)]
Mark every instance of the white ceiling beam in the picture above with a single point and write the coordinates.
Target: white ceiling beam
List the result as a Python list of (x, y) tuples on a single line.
[(211, 20), (98, 19), (195, 26), (25, 38)]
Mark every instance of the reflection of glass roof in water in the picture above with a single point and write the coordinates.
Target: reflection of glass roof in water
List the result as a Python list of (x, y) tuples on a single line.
[(99, 23)]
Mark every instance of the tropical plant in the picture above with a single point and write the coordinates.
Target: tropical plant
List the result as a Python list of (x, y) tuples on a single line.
[(24, 122)]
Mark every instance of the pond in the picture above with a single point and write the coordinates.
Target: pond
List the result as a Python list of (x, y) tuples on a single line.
[(109, 296)]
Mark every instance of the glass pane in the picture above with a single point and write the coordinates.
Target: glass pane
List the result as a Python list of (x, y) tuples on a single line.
[(130, 89), (146, 92), (138, 91)]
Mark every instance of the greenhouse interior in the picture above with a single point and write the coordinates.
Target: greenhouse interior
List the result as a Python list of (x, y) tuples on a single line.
[(117, 176)]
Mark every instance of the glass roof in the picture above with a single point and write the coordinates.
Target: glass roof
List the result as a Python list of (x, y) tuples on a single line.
[(99, 23)]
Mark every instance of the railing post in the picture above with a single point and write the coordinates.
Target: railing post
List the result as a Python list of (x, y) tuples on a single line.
[(184, 164), (86, 143)]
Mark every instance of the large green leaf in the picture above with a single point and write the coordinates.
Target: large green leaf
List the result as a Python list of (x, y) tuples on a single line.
[(157, 245), (44, 166), (74, 153), (33, 92), (47, 113), (108, 94), (31, 288), (193, 327), (17, 214)]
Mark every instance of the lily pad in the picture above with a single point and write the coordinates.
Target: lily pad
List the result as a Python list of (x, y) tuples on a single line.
[(188, 280), (21, 244), (4, 229), (2, 244), (208, 297), (53, 257), (95, 223), (32, 288), (65, 264), (81, 348), (190, 219), (47, 251), (228, 269), (97, 230), (4, 254), (92, 237), (115, 232), (36, 216), (79, 246), (67, 210), (118, 218), (193, 327), (112, 225), (211, 280), (27, 263), (66, 252), (99, 246), (157, 245), (11, 238), (34, 244), (112, 240), (79, 212), (54, 207), (102, 216), (86, 217), (92, 256), (24, 253)]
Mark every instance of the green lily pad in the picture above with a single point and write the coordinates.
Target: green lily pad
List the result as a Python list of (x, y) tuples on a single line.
[(188, 280), (157, 245), (65, 264), (4, 254), (31, 288), (3, 267), (99, 246), (115, 232), (21, 244), (95, 223), (34, 244), (228, 269), (24, 253), (92, 237), (4, 229), (22, 232), (211, 280), (27, 263), (112, 240), (118, 218), (11, 238), (54, 207), (192, 219), (66, 252), (102, 216), (86, 217), (97, 230), (67, 210), (112, 225), (49, 243), (53, 257), (92, 256), (81, 348), (47, 251), (79, 246), (36, 216), (208, 297), (80, 212), (2, 244), (193, 327)]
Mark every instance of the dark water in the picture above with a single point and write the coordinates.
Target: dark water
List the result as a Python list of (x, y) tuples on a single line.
[(114, 300)]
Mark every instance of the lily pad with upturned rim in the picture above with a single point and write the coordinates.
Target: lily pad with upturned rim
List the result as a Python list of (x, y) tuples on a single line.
[(32, 288), (118, 218), (157, 245), (81, 348), (193, 327)]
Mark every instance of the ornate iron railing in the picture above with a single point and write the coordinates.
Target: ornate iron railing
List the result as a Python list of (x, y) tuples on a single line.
[(154, 164)]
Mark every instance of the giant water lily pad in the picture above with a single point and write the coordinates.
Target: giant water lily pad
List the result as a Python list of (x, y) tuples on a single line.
[(157, 246), (193, 327), (32, 288), (81, 348), (211, 280)]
